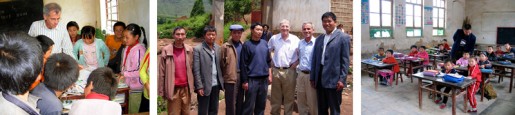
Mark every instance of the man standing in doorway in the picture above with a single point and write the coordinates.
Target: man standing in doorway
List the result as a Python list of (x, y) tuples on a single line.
[(330, 65)]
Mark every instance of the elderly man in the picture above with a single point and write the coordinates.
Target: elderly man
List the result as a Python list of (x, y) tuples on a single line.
[(283, 45), (306, 95), (51, 27), (231, 51), (330, 65)]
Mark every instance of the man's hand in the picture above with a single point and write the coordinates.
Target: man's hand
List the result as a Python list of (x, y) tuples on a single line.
[(269, 79), (339, 86), (200, 92), (245, 86), (313, 84)]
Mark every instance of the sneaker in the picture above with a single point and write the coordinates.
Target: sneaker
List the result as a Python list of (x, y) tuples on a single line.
[(442, 106), (437, 101), (474, 110)]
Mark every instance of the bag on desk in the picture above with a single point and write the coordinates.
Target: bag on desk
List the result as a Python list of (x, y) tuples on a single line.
[(410, 58), (453, 78), (398, 55), (486, 70), (430, 73), (504, 62)]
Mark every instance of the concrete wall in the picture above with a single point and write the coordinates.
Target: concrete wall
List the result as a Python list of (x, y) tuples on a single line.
[(455, 14), (84, 12), (487, 15), (298, 13), (135, 11)]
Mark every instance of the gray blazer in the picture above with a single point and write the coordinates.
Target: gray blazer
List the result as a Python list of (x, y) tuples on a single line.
[(336, 58), (202, 71)]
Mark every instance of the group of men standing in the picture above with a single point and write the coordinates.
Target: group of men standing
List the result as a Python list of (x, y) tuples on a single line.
[(313, 68)]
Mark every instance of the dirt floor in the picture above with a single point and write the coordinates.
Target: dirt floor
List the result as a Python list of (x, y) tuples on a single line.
[(346, 106)]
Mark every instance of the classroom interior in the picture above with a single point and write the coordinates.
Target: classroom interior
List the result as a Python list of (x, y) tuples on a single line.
[(399, 24)]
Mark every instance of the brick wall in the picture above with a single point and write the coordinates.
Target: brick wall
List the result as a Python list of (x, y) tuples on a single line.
[(343, 11)]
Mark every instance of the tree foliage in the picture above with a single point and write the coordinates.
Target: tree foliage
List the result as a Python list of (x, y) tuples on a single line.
[(234, 10), (198, 8)]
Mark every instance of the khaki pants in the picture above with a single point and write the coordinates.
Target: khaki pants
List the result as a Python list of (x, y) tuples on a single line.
[(180, 103), (283, 86), (306, 96)]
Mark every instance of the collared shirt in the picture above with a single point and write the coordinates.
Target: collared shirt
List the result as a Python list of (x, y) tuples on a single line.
[(305, 54), (326, 40), (49, 103), (284, 50), (214, 79), (59, 35), (9, 108)]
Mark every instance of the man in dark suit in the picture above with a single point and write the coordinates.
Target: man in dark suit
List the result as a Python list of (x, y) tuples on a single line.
[(330, 65), (207, 73), (464, 41)]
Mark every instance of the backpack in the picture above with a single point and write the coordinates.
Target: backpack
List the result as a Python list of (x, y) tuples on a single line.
[(490, 92)]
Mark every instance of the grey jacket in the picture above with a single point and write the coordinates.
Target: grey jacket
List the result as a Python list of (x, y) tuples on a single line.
[(336, 60), (202, 71)]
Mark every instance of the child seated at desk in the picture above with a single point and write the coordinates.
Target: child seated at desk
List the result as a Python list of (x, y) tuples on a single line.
[(499, 51), (448, 69), (423, 55), (413, 51), (491, 54), (509, 50), (101, 88), (380, 54), (441, 49), (484, 63), (463, 61), (473, 73), (445, 44), (390, 60)]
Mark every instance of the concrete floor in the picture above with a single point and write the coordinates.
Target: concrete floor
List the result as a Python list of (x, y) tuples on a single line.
[(403, 99)]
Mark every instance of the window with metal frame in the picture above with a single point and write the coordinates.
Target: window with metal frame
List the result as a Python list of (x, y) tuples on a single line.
[(439, 17), (414, 18), (381, 19)]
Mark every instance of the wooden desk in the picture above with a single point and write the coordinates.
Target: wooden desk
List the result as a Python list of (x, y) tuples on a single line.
[(437, 56), (511, 66), (457, 89), (376, 65), (124, 105)]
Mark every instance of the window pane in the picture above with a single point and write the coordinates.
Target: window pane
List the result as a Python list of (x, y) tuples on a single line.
[(409, 10), (386, 7), (387, 20), (435, 14), (442, 4), (435, 22), (418, 10), (441, 32), (418, 21), (435, 32), (374, 6), (115, 17), (441, 13), (409, 32), (417, 32), (419, 1), (435, 2), (386, 33), (440, 22), (409, 21), (374, 19)]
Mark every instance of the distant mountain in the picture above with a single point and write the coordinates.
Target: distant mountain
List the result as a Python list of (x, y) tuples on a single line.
[(178, 8)]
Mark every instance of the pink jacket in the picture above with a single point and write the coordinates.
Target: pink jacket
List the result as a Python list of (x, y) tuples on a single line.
[(425, 56), (131, 68), (462, 62)]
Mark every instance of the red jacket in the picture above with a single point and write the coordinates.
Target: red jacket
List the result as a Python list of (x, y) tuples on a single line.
[(446, 46), (391, 60), (475, 73), (414, 53)]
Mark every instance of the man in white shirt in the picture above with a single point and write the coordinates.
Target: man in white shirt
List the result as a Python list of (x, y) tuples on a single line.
[(51, 27), (285, 59)]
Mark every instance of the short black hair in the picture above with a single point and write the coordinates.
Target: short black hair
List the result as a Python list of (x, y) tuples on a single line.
[(381, 48), (21, 60), (498, 46), (254, 25), (423, 47), (440, 45), (413, 46), (390, 50), (119, 23), (444, 39), (88, 32), (466, 53), (448, 61), (329, 15), (45, 43), (491, 46), (61, 71), (177, 28), (264, 25), (104, 81), (467, 26), (72, 24), (209, 28)]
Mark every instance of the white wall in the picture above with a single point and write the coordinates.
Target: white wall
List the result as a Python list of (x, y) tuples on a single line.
[(298, 12), (135, 11), (487, 15), (455, 14), (84, 12)]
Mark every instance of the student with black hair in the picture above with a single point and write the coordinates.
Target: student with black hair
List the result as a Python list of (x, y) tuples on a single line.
[(132, 56), (115, 44), (491, 54), (61, 71), (100, 90), (267, 34), (73, 29), (46, 48), (20, 65), (91, 52), (464, 41)]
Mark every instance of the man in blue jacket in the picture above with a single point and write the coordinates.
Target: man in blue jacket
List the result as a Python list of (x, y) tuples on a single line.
[(330, 65), (464, 41)]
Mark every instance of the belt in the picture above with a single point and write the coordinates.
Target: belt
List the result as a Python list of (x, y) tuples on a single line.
[(305, 71), (282, 67)]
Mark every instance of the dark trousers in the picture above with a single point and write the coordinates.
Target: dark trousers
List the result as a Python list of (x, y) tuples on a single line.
[(144, 105), (328, 98), (208, 105), (239, 99), (446, 90), (230, 98), (255, 97)]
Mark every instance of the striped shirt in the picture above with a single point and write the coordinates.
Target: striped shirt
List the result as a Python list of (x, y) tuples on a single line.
[(59, 35)]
